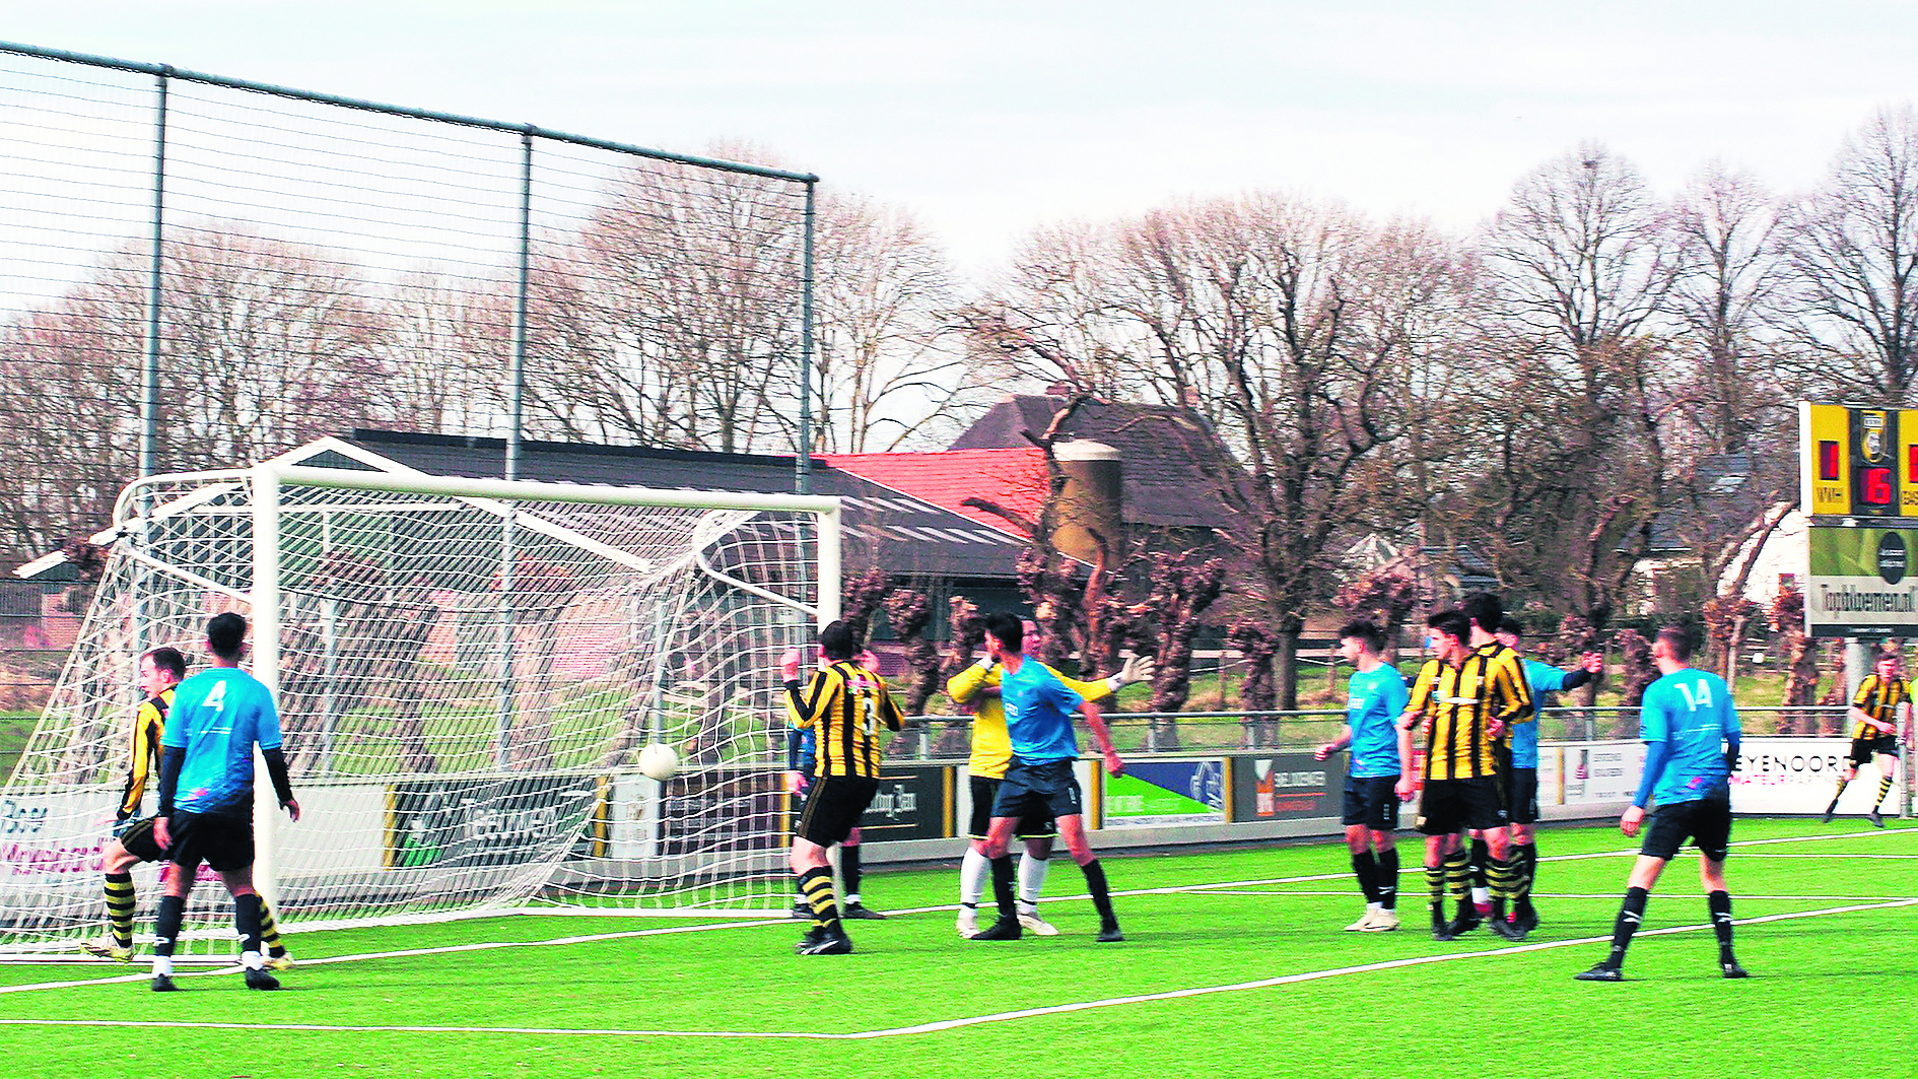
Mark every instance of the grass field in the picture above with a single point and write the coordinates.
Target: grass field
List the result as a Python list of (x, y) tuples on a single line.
[(1234, 965)]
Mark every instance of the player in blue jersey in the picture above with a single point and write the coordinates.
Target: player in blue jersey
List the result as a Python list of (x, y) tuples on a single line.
[(1690, 728), (1375, 699), (1040, 780), (206, 794), (1521, 784)]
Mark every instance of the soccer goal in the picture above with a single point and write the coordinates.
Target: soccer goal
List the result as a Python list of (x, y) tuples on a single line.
[(466, 671)]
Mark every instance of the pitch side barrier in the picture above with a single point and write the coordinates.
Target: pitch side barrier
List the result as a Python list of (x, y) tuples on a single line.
[(1226, 777)]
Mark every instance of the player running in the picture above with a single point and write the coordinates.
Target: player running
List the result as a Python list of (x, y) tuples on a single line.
[(1039, 779), (846, 703), (1690, 728), (1521, 790), (161, 669), (1375, 699), (977, 689), (1464, 699), (1882, 701)]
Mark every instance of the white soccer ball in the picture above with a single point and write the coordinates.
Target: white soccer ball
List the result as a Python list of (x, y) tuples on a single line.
[(658, 761)]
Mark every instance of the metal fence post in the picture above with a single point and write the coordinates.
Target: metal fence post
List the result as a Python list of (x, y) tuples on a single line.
[(507, 689), (150, 368), (802, 461)]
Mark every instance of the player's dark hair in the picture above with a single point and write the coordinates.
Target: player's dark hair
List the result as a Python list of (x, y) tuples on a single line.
[(168, 658), (1679, 640), (1367, 632), (1007, 629), (1485, 610), (1511, 625), (837, 641), (1451, 620), (224, 635)]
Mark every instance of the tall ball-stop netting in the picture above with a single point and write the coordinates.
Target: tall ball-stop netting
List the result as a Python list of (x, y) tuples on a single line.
[(466, 671)]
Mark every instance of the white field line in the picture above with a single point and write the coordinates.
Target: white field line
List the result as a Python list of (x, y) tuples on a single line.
[(943, 1024), (1352, 893)]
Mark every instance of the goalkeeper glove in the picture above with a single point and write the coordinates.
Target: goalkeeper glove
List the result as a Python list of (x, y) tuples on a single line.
[(1134, 669)]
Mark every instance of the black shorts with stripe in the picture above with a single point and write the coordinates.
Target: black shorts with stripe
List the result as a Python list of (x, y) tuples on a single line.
[(1046, 789), (1453, 805), (138, 839), (985, 794), (223, 841), (1521, 795), (1372, 801), (1707, 822), (834, 805), (1864, 749)]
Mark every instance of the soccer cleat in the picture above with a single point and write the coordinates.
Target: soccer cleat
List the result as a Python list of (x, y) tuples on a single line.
[(967, 923), (107, 949), (1441, 929), (282, 961), (1364, 922), (1830, 812), (1468, 918), (1731, 969), (830, 941), (260, 979), (1877, 819), (1109, 933), (1002, 928), (1037, 926), (1527, 915), (1600, 973), (862, 912), (1383, 921), (163, 984), (1506, 928)]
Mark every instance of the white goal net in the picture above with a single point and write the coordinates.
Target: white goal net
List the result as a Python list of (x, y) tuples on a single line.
[(466, 671)]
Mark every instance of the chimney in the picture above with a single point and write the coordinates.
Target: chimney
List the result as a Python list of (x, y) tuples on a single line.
[(1093, 498)]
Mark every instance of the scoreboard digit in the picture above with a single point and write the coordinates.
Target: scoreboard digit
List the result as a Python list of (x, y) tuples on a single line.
[(1858, 462)]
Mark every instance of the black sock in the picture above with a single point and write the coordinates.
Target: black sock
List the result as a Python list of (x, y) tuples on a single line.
[(1842, 784), (1629, 915), (816, 885), (166, 927), (246, 920), (1387, 879), (1366, 866), (1101, 897), (120, 908), (1527, 870), (849, 868), (1720, 904), (1002, 886), (1481, 862)]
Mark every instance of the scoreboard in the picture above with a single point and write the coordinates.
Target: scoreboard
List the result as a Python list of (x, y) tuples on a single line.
[(1858, 462)]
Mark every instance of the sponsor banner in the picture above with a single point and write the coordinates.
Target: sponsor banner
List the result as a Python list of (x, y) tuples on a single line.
[(1551, 776), (633, 830), (1286, 786), (731, 809), (502, 820), (910, 804), (51, 838), (1602, 772), (328, 814), (1154, 793), (1798, 775), (1086, 772), (1862, 582)]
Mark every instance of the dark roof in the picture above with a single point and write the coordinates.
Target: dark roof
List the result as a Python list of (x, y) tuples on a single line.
[(1727, 492), (1169, 456), (905, 535)]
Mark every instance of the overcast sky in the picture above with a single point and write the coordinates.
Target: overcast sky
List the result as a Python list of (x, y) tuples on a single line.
[(986, 119)]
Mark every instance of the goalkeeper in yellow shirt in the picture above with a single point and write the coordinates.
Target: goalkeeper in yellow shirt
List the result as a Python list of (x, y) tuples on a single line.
[(976, 689)]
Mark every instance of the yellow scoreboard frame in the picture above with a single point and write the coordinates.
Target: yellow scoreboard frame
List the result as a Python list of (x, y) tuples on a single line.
[(1857, 462)]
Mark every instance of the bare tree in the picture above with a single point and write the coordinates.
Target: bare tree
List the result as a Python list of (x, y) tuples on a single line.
[(448, 349)]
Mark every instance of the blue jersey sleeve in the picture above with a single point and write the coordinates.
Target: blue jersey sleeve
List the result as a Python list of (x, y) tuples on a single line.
[(266, 719), (1544, 677)]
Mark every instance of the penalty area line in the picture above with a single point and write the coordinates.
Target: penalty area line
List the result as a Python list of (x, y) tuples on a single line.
[(941, 1025)]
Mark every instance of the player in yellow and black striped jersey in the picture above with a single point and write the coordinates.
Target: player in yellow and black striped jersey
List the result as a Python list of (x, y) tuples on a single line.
[(160, 670), (1464, 698), (845, 704), (1882, 701)]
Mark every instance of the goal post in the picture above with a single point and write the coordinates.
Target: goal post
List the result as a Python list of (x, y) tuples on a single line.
[(466, 669)]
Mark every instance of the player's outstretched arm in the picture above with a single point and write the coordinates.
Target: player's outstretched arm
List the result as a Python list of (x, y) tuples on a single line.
[(1097, 724)]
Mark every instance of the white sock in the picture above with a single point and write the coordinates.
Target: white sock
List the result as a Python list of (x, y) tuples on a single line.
[(1374, 906), (252, 961), (1032, 879), (973, 871), (1481, 895), (851, 898), (163, 964)]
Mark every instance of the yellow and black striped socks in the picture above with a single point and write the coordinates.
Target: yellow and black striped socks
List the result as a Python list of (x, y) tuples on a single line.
[(1842, 784), (120, 908), (816, 885), (1458, 873), (270, 931), (1435, 885), (1501, 875), (1884, 788)]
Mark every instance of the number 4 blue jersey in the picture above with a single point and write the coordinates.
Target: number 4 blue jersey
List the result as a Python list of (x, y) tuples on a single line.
[(1691, 711), (217, 717)]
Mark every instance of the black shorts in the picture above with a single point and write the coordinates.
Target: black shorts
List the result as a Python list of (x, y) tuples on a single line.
[(985, 794), (1521, 795), (1046, 789), (139, 842), (221, 840), (834, 805), (1453, 805), (1372, 801), (1863, 749), (1707, 822)]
